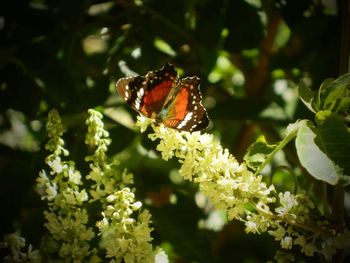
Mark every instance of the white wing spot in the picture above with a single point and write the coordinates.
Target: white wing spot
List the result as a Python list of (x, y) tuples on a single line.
[(185, 120), (139, 96), (137, 103), (188, 116), (140, 93)]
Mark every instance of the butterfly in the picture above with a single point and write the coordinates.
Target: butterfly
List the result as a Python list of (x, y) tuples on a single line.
[(166, 98)]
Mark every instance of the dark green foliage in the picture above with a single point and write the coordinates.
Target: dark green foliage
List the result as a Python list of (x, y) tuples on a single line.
[(45, 63)]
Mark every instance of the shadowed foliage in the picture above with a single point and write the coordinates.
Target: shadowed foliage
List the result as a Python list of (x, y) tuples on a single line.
[(68, 55)]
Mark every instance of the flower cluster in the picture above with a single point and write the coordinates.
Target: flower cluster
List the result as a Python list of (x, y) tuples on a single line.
[(125, 235), (63, 190), (297, 222), (230, 186), (124, 227), (15, 244)]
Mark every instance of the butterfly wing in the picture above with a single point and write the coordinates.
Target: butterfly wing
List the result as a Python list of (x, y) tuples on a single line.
[(185, 111), (147, 94)]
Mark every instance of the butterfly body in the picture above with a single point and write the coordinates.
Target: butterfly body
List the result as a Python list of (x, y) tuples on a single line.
[(163, 96)]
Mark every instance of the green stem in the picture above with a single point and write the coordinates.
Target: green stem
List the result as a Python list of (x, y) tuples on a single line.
[(324, 196), (304, 226), (280, 146)]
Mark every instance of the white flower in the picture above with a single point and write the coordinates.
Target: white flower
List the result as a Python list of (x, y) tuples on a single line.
[(278, 233), (137, 205), (81, 196), (74, 176), (51, 191), (110, 198), (287, 242), (288, 201), (161, 257), (56, 165), (42, 180), (251, 227), (143, 122)]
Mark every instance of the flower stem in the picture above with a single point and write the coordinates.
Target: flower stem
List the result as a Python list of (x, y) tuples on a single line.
[(280, 146)]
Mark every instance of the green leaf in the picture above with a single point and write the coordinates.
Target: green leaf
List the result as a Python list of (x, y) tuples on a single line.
[(321, 90), (335, 95), (321, 116), (292, 129), (164, 47), (260, 153), (257, 153), (307, 96), (316, 102), (312, 158), (335, 140), (344, 180)]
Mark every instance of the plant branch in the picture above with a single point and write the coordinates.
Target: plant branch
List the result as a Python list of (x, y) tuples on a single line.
[(280, 146)]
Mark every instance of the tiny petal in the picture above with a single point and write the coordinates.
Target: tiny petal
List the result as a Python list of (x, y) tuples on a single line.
[(287, 242)]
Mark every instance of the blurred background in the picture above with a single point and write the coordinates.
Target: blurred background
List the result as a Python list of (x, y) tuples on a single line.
[(249, 54)]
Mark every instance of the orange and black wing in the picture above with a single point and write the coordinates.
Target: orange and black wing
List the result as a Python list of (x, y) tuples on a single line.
[(185, 111), (147, 94)]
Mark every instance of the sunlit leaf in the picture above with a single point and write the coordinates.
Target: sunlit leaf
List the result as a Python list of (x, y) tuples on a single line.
[(312, 158)]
